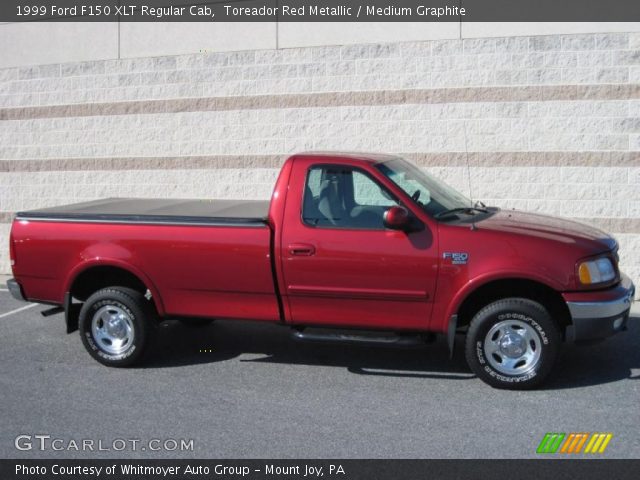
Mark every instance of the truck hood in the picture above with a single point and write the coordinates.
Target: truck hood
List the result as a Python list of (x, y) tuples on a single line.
[(550, 228)]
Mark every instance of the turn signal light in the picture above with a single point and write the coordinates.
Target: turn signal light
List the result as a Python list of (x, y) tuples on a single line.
[(585, 276)]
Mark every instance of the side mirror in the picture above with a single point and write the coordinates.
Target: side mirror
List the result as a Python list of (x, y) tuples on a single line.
[(397, 218)]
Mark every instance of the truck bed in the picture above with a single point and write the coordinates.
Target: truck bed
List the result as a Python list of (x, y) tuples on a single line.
[(157, 211)]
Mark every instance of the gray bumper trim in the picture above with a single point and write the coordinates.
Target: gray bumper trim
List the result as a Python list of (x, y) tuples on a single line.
[(15, 289), (581, 310)]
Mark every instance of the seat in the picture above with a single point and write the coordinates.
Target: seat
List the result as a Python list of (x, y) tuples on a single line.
[(330, 204), (310, 212)]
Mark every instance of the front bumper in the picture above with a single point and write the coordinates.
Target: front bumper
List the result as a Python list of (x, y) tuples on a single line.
[(597, 315), (15, 289)]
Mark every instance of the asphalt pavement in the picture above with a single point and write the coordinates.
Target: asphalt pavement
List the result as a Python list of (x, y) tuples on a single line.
[(246, 390)]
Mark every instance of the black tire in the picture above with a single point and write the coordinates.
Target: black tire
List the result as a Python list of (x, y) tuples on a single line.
[(133, 328), (501, 331)]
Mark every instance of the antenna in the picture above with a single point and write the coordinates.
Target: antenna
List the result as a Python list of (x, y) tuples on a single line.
[(466, 156)]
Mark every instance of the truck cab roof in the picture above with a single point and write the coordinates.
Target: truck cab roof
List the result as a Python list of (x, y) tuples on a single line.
[(338, 156)]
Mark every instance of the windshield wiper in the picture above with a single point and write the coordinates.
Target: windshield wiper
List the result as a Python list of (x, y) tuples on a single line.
[(453, 211)]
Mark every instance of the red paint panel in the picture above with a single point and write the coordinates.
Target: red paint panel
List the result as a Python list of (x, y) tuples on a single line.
[(370, 314), (376, 278), (199, 271)]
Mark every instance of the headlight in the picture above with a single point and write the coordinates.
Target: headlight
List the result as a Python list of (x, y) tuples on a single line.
[(596, 271)]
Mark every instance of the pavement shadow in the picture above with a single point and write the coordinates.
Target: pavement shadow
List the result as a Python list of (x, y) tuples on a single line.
[(178, 345), (614, 359)]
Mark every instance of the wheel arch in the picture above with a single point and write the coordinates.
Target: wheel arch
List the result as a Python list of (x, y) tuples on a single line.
[(91, 276), (473, 299)]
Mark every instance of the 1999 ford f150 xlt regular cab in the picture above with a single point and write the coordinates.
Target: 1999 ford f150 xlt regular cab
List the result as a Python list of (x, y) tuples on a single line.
[(352, 247)]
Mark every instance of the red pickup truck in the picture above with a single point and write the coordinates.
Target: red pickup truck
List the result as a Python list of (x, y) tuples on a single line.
[(352, 248)]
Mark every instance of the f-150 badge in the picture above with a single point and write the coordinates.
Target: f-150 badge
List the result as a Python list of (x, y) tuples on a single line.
[(456, 258)]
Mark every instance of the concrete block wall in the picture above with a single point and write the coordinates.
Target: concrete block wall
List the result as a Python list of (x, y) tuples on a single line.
[(544, 123), (29, 43)]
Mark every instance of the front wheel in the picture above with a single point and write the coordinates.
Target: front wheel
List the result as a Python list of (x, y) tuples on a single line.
[(116, 325), (512, 344)]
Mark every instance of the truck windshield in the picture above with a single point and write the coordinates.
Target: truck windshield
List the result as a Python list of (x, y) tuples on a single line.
[(434, 196)]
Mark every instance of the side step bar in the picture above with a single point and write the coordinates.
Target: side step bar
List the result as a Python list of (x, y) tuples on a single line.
[(52, 311), (413, 340)]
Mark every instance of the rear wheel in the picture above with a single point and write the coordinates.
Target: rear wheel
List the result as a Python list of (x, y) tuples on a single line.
[(116, 326), (512, 344)]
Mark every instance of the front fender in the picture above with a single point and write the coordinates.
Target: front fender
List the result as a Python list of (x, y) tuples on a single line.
[(450, 317), (478, 282)]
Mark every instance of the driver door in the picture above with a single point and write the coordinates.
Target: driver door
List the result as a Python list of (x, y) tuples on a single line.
[(341, 266)]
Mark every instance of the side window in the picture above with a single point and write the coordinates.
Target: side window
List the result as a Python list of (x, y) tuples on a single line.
[(343, 197), (313, 181), (368, 192)]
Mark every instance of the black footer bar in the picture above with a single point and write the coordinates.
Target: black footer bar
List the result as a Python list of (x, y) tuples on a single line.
[(320, 469)]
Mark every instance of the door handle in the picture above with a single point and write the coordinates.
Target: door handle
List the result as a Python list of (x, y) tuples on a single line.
[(302, 249)]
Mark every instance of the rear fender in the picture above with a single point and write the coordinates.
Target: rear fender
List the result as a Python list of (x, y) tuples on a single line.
[(117, 263)]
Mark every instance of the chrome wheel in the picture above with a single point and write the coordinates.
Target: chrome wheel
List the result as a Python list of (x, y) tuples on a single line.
[(513, 347), (112, 329)]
